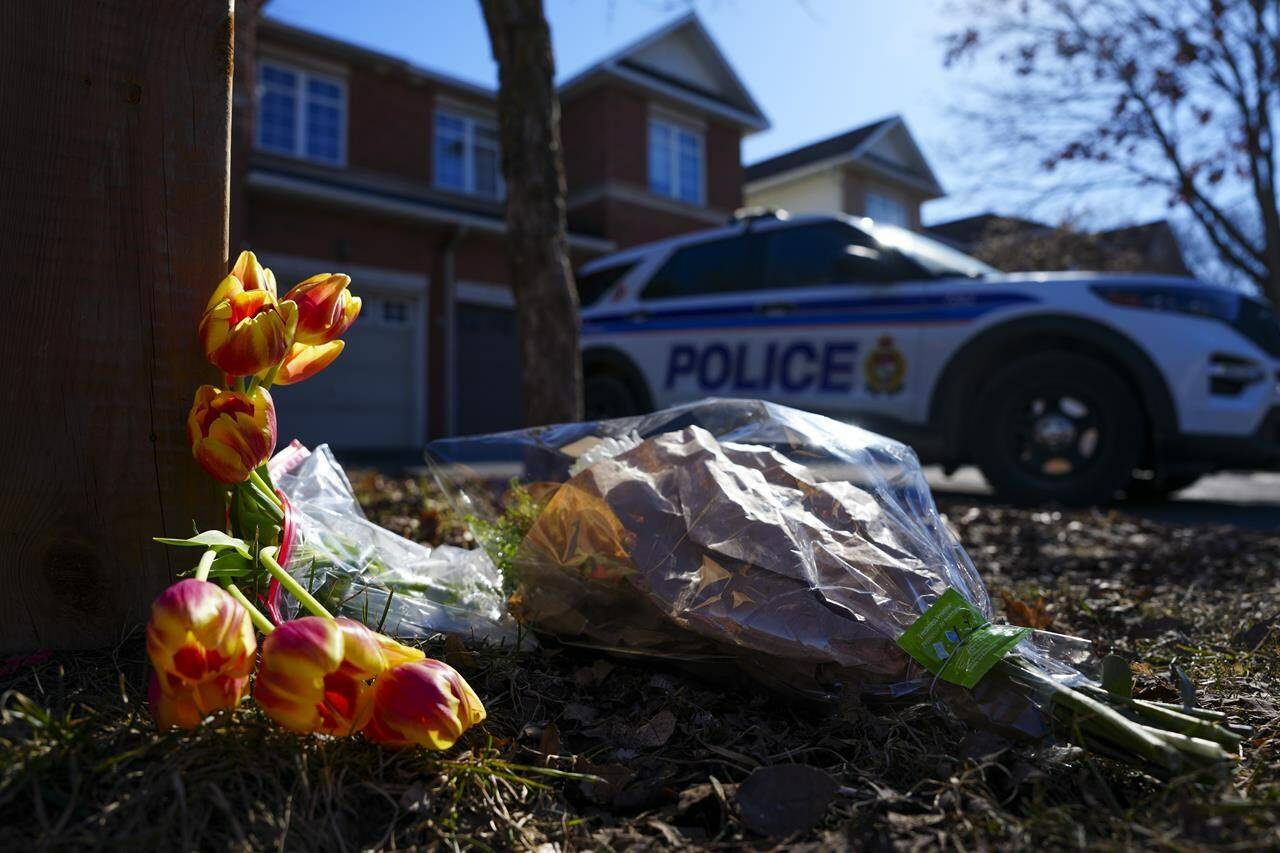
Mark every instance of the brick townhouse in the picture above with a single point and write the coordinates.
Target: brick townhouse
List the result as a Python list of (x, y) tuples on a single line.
[(348, 159)]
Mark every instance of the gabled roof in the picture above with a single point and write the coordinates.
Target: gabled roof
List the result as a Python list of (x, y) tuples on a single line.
[(885, 145), (682, 62), (276, 30)]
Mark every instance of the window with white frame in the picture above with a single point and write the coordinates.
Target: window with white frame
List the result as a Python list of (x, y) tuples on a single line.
[(676, 161), (301, 113), (886, 209), (467, 156)]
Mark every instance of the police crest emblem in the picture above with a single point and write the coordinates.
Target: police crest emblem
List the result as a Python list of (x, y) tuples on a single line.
[(885, 367)]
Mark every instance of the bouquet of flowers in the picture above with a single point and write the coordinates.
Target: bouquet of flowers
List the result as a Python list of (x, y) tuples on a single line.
[(317, 673), (803, 551)]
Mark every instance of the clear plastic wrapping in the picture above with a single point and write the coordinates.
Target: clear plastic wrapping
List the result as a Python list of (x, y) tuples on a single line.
[(366, 572), (737, 533)]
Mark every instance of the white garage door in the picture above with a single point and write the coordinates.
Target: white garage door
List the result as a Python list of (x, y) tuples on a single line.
[(371, 398)]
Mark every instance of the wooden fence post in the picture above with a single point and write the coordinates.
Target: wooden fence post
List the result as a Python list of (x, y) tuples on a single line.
[(113, 232)]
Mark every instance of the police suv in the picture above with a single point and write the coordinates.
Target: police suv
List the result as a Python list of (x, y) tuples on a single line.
[(1070, 387)]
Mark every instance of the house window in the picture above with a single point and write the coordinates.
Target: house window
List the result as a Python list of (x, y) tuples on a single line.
[(676, 161), (886, 209), (467, 157), (395, 313), (301, 114)]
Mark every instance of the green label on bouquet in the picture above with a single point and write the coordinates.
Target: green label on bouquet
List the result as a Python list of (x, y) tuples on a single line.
[(956, 642)]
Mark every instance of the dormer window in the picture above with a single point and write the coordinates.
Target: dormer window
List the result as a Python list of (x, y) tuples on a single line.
[(301, 113), (886, 209), (677, 162), (467, 157)]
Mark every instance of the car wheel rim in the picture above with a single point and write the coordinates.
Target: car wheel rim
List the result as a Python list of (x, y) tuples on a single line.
[(1055, 435)]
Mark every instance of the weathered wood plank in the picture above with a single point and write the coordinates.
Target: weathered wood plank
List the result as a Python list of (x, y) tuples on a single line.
[(113, 210)]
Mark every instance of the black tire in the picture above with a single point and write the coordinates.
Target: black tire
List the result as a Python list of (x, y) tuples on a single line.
[(1059, 428), (607, 395)]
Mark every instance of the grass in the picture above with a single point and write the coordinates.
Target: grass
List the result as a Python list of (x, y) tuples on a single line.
[(587, 752)]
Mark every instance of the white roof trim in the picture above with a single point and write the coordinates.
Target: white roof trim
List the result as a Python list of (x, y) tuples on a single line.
[(753, 118), (275, 26), (926, 183), (897, 123)]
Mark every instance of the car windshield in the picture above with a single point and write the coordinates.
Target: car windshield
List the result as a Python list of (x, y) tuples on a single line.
[(938, 258)]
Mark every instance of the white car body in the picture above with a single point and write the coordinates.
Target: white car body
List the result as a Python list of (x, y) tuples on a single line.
[(887, 355)]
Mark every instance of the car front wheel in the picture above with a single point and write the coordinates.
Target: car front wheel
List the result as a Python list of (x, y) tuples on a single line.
[(1057, 427), (606, 396)]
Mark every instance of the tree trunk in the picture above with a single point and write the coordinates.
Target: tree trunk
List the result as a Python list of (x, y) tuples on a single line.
[(113, 203), (537, 244)]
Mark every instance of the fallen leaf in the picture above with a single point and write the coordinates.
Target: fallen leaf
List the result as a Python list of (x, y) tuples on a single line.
[(611, 779), (1027, 615), (657, 731), (456, 653), (579, 713), (784, 799), (549, 745)]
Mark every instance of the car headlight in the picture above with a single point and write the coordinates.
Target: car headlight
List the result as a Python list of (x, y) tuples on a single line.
[(1208, 302)]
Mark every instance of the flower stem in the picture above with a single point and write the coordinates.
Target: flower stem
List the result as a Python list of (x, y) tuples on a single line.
[(269, 377), (268, 558), (206, 562), (256, 479), (260, 622)]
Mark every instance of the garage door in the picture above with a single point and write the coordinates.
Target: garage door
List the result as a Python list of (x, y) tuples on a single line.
[(488, 397), (371, 398)]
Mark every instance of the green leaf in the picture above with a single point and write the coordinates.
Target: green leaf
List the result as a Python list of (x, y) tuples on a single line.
[(215, 539), (1117, 677), (231, 564), (1186, 688)]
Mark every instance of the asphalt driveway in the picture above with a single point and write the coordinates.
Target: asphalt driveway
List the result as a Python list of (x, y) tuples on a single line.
[(1250, 500)]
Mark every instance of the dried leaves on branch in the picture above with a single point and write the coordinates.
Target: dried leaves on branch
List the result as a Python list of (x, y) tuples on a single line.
[(1169, 96)]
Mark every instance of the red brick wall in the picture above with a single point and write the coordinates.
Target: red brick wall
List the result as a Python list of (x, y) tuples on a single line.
[(389, 124), (631, 224), (481, 257), (604, 134), (341, 236), (724, 166)]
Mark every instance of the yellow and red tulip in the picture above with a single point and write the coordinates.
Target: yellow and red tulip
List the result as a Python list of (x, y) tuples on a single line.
[(326, 308), (254, 275), (246, 274), (306, 360), (315, 673), (201, 644), (184, 708), (248, 332), (425, 702), (231, 433)]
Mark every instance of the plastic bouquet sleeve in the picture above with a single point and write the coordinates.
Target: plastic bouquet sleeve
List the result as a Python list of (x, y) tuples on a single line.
[(738, 534), (371, 574)]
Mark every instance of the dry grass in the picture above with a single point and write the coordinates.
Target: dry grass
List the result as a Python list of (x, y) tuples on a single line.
[(84, 768)]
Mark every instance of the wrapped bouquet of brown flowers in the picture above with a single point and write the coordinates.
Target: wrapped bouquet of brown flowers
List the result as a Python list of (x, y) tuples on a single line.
[(799, 549)]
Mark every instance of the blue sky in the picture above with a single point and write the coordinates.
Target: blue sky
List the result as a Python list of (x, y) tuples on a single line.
[(816, 67)]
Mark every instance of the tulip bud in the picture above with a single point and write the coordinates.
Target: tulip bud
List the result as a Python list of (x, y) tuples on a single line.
[(248, 332), (306, 360), (326, 309), (201, 644), (246, 275), (425, 703), (231, 433), (315, 673), (253, 275)]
